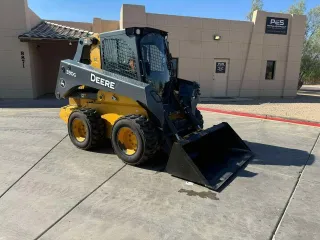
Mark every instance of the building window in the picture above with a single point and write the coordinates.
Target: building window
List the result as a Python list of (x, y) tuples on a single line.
[(270, 69), (175, 62)]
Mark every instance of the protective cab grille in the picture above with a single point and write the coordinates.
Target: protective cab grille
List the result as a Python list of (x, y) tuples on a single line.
[(119, 58), (154, 57)]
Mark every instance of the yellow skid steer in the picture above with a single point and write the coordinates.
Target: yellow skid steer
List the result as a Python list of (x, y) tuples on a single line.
[(120, 86)]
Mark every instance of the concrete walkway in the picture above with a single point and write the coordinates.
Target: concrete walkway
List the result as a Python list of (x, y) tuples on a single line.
[(51, 190)]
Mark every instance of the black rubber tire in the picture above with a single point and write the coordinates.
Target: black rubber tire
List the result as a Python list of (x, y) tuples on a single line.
[(95, 128), (199, 117), (147, 138)]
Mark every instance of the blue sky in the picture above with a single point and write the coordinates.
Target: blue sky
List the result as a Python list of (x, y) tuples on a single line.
[(86, 10)]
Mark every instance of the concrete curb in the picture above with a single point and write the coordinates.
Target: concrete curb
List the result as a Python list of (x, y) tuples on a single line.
[(268, 117)]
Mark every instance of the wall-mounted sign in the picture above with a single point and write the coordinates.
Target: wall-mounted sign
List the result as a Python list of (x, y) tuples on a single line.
[(277, 25), (220, 67)]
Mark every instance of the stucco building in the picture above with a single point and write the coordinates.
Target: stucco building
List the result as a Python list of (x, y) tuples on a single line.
[(228, 58)]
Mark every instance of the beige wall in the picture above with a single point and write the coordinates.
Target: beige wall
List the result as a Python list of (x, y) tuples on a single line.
[(101, 25), (15, 81), (35, 60), (244, 44), (46, 57), (36, 67), (80, 25), (34, 19), (284, 49)]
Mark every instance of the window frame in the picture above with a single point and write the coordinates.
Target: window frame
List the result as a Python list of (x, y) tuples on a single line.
[(273, 70)]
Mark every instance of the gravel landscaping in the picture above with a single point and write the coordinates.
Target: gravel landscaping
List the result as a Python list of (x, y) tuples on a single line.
[(305, 106)]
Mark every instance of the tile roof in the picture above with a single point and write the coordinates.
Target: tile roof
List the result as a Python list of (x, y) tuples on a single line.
[(52, 31)]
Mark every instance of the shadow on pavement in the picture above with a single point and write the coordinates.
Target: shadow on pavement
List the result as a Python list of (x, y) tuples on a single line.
[(272, 155), (264, 155), (106, 149)]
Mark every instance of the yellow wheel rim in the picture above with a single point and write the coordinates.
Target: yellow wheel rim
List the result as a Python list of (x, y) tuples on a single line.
[(79, 130), (127, 141)]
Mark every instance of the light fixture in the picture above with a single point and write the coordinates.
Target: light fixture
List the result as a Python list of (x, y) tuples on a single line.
[(138, 31), (70, 43), (216, 37)]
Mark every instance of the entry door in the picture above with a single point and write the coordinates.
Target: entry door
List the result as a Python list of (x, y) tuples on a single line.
[(220, 77)]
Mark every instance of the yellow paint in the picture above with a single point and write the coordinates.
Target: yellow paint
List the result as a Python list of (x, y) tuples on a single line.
[(66, 111), (110, 118), (95, 56), (111, 107), (127, 141), (78, 130)]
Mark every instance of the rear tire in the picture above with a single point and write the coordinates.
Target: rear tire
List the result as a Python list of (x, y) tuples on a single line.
[(86, 128), (145, 139)]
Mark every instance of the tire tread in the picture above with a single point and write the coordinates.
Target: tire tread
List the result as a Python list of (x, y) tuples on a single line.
[(149, 135), (94, 120)]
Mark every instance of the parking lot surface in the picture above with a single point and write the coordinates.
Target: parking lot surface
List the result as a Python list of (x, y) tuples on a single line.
[(49, 189)]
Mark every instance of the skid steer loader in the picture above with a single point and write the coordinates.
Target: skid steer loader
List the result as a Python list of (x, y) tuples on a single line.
[(120, 86)]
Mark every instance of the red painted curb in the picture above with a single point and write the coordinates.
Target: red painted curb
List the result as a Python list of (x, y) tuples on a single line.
[(279, 119)]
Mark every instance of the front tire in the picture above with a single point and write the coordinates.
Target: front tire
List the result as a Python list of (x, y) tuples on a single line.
[(86, 128), (134, 139)]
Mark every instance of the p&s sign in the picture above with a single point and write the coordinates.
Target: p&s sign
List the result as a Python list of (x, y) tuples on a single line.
[(277, 25)]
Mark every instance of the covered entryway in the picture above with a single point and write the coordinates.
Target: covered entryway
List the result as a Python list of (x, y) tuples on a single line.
[(220, 77), (49, 43)]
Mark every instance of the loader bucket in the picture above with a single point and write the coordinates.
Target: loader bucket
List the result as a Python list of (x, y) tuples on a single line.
[(208, 157)]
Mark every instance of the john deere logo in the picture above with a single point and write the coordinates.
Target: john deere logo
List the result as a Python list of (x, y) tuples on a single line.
[(62, 83)]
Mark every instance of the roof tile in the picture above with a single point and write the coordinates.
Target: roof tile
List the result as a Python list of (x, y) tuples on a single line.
[(51, 31)]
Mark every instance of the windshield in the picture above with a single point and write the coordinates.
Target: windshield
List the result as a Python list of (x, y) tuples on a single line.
[(154, 57)]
